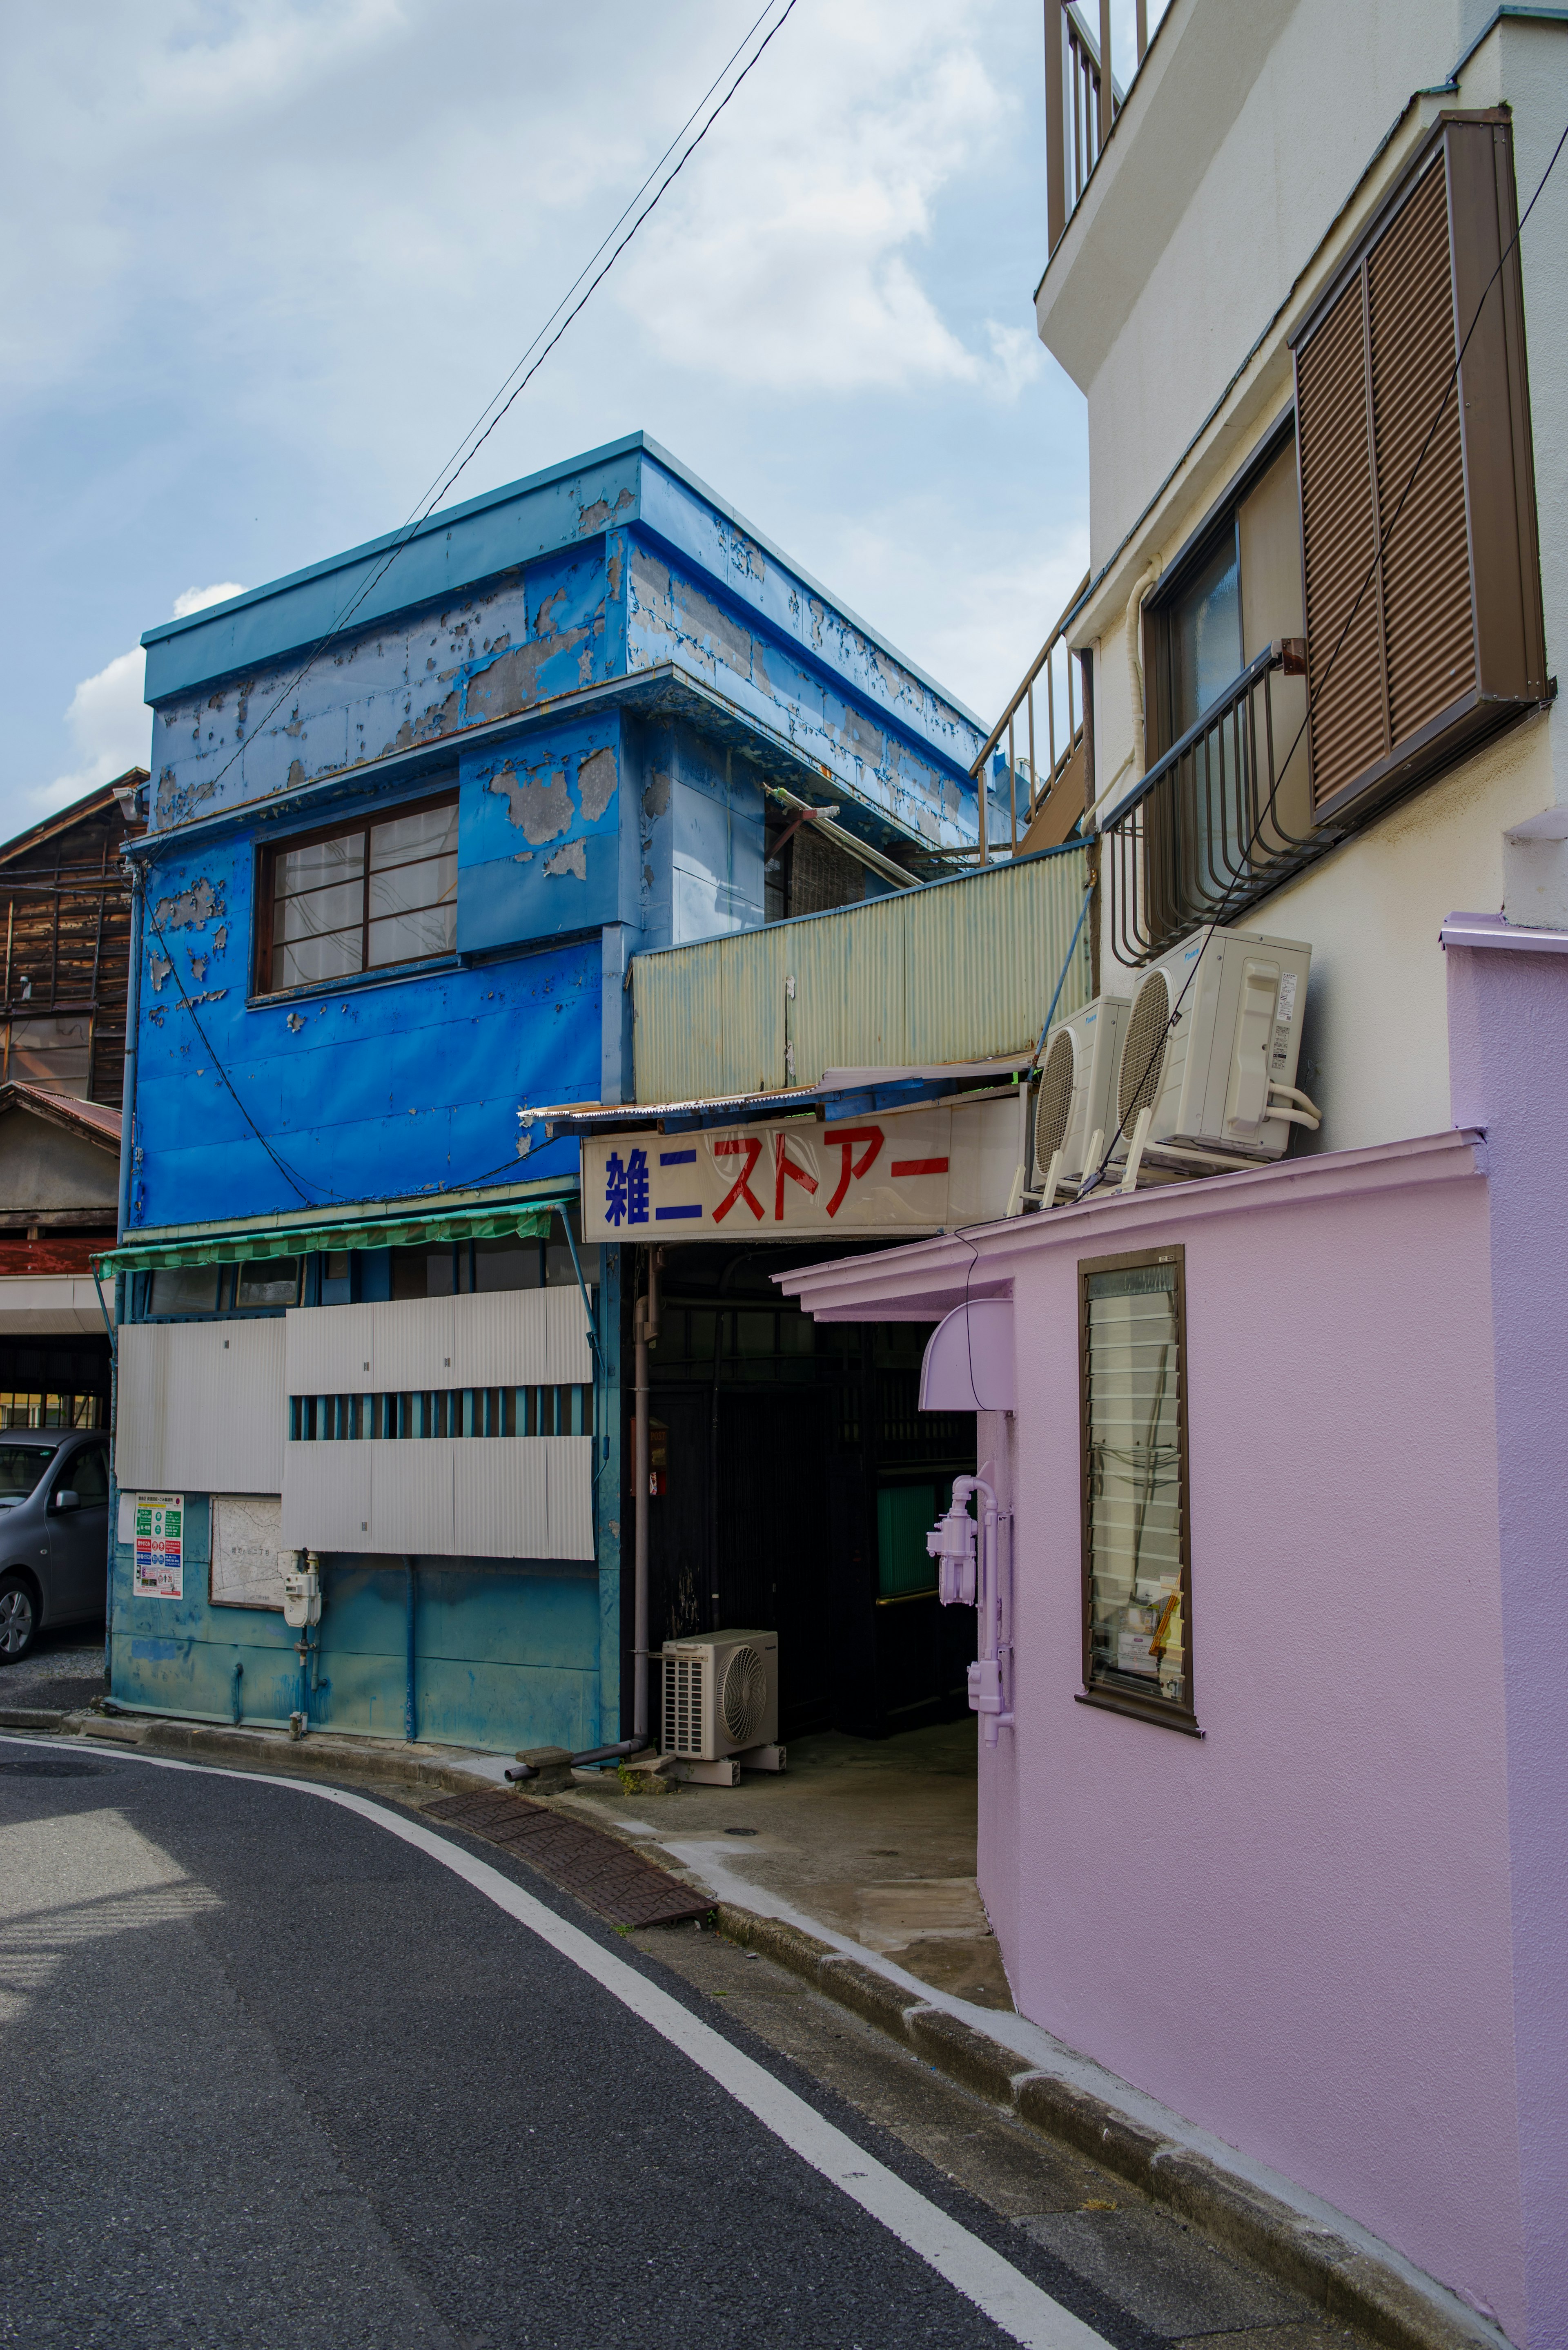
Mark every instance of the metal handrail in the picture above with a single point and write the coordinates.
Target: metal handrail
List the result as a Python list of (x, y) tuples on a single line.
[(1205, 833), (1083, 98), (1056, 761)]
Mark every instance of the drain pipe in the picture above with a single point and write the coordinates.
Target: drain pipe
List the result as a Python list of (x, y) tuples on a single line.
[(410, 1717), (645, 1333), (132, 1020)]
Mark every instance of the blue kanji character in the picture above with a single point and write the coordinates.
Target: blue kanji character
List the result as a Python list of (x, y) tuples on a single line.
[(615, 1189), (636, 1189)]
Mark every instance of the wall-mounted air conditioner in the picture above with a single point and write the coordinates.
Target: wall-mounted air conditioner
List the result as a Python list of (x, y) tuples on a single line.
[(721, 1705), (1214, 1086), (1073, 1096)]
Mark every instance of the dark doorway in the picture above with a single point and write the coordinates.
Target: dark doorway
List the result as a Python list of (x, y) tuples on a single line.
[(793, 1479)]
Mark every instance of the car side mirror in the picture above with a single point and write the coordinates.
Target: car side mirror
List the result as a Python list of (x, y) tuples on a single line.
[(66, 1500)]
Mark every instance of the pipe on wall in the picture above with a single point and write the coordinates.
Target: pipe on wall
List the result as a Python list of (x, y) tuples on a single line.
[(411, 1718), (132, 1022), (645, 1333)]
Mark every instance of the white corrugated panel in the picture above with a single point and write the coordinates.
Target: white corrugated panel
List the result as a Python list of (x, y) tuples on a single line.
[(328, 1347), (202, 1407), (411, 1491), (515, 1338), (964, 971), (500, 1498), (326, 1497), (571, 1475)]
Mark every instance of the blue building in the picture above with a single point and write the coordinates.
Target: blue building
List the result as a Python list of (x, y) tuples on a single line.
[(412, 812)]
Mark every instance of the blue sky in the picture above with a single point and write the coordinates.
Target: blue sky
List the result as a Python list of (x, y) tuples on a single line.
[(268, 258)]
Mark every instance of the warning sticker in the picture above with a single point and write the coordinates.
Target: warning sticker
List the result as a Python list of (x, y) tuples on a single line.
[(159, 1570)]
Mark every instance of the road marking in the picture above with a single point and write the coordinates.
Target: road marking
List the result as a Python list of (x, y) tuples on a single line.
[(1018, 2307)]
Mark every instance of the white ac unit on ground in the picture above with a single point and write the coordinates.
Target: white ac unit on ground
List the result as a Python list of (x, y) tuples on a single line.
[(1073, 1095), (721, 1705), (1214, 1086)]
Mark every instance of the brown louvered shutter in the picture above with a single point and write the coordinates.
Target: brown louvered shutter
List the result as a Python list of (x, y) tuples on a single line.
[(1445, 642)]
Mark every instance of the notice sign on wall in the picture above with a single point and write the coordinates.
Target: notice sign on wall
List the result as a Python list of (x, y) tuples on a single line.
[(158, 1571), (908, 1172)]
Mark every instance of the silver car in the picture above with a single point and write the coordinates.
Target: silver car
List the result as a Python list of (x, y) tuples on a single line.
[(54, 1533)]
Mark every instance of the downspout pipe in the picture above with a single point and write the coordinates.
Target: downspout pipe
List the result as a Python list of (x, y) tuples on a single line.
[(132, 1026), (645, 1333), (411, 1718)]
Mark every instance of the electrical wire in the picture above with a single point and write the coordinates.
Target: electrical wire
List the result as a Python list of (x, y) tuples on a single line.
[(522, 375), (1098, 1177), (446, 479)]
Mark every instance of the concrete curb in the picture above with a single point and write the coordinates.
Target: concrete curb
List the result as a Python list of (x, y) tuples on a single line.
[(260, 1750), (43, 1717), (1348, 2286)]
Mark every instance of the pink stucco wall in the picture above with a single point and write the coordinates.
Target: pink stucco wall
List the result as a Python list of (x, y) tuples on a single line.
[(1295, 1931)]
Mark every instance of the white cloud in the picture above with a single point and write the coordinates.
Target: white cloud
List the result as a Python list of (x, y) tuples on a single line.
[(109, 724)]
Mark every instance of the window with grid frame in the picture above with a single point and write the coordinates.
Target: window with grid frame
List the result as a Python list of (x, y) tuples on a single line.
[(363, 897), (1137, 1615)]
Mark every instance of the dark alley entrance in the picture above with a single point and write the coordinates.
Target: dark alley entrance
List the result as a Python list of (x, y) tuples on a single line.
[(793, 1480)]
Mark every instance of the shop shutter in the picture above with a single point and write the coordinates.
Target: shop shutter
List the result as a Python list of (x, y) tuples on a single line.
[(1447, 642)]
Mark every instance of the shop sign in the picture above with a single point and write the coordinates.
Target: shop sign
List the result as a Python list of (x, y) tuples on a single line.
[(916, 1171), (159, 1570)]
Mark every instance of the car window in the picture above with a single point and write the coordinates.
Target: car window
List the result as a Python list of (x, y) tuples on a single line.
[(87, 1475), (21, 1468)]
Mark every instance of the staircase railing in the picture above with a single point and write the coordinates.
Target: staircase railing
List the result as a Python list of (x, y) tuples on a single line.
[(1055, 683)]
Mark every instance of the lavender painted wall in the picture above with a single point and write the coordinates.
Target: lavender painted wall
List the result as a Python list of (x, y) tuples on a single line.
[(1508, 1017), (1297, 1931)]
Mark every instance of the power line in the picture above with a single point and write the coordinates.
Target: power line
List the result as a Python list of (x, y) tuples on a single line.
[(1217, 916), (446, 479)]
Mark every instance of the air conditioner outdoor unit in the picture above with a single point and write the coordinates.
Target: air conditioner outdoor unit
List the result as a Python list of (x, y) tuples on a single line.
[(721, 1705), (1214, 1087), (1073, 1095)]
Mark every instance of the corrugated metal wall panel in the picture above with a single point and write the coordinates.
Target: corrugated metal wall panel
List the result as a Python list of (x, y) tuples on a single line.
[(326, 1497), (200, 1407), (501, 1499), (960, 971), (412, 1486), (571, 1476), (516, 1337)]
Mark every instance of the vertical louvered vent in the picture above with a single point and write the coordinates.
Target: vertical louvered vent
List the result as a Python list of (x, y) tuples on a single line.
[(1419, 649), (682, 1705)]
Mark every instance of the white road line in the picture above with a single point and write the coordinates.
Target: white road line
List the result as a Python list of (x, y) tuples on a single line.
[(1006, 2295)]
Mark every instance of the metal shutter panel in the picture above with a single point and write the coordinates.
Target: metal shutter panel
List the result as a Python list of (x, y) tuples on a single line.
[(1344, 679)]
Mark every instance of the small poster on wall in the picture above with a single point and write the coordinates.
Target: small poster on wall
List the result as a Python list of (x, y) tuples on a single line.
[(159, 1572)]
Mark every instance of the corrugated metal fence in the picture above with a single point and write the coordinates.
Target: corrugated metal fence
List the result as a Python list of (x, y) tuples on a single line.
[(957, 971)]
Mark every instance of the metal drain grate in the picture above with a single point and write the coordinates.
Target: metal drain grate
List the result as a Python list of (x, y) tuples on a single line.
[(621, 1884)]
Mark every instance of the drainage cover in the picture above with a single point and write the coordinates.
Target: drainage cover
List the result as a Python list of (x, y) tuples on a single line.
[(621, 1884)]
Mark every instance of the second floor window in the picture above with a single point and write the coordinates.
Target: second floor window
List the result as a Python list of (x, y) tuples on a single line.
[(360, 898)]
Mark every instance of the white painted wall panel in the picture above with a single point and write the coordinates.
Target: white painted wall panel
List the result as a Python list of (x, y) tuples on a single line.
[(520, 1338), (501, 1499), (202, 1407), (326, 1497), (571, 1470), (410, 1492), (328, 1347)]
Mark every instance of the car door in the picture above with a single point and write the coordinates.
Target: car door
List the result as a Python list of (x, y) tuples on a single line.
[(79, 1538)]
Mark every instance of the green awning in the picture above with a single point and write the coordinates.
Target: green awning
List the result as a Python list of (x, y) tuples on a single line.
[(528, 1220)]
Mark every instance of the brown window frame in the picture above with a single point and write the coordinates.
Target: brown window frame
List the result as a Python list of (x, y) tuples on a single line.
[(1160, 1710), (266, 866)]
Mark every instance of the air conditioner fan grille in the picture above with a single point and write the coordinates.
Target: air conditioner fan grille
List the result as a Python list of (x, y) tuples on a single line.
[(1143, 1049), (1054, 1103), (745, 1697)]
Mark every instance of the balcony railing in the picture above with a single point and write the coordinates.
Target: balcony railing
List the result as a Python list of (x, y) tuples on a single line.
[(1222, 819), (1047, 713), (1083, 98)]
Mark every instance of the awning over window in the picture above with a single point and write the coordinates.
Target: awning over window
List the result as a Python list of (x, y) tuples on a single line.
[(521, 1218)]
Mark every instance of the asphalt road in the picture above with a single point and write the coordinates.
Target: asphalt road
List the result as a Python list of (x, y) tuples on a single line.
[(273, 2075)]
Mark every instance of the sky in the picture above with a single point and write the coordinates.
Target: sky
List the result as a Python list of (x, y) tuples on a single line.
[(268, 259)]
